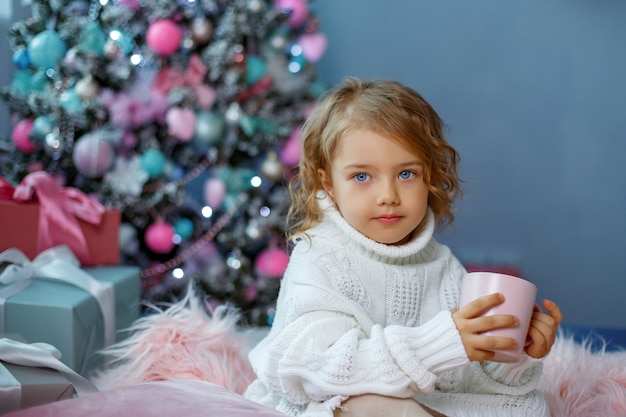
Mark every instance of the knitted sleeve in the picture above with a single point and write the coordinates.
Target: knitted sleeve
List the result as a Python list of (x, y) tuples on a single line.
[(323, 345)]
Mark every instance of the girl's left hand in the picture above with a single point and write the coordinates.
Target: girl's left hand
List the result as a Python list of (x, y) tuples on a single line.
[(543, 329)]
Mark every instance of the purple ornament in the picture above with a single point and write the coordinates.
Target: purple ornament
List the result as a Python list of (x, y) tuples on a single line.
[(291, 151), (214, 192), (93, 155), (181, 123)]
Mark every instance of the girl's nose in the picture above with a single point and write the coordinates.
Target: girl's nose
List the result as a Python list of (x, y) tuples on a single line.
[(388, 195)]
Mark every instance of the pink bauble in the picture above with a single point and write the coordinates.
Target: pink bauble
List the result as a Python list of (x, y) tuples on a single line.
[(299, 11), (313, 45), (21, 132), (271, 263), (159, 236), (181, 123), (164, 37), (214, 192), (92, 155), (291, 151)]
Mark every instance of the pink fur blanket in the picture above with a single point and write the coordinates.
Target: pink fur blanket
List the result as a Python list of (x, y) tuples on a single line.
[(182, 341)]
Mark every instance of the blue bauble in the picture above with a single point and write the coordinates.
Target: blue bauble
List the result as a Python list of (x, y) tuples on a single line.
[(210, 129), (21, 59), (184, 228), (46, 49), (256, 68), (70, 101), (153, 163), (42, 125), (92, 39), (25, 82)]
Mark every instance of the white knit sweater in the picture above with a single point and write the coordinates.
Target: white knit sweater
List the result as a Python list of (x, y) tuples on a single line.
[(355, 316)]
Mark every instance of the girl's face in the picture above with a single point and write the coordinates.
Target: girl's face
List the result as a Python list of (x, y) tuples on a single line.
[(378, 186)]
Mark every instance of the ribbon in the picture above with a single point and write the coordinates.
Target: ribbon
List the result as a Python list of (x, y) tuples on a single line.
[(35, 355), (60, 209), (59, 264), (258, 88), (6, 189), (168, 78)]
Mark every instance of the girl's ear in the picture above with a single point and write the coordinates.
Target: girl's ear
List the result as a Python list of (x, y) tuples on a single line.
[(326, 183)]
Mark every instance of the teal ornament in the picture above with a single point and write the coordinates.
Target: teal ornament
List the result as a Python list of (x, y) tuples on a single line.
[(122, 40), (296, 64), (153, 163), (20, 85), (184, 228), (21, 59), (210, 129), (237, 180), (39, 81), (70, 101), (92, 39), (256, 68), (46, 49), (25, 82), (42, 126), (248, 124)]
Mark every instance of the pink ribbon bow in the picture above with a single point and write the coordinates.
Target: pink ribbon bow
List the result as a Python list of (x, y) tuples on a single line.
[(60, 209), (6, 189), (169, 78)]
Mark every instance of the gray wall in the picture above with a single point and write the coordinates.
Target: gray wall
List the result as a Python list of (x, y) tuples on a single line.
[(533, 93)]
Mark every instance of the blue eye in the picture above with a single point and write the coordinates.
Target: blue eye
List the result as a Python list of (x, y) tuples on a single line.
[(405, 175), (361, 177)]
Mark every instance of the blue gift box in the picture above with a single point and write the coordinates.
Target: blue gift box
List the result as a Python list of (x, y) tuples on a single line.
[(70, 318)]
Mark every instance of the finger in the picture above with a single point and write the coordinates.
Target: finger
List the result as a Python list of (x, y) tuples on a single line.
[(554, 310), (497, 321), (481, 305), (544, 324), (482, 347)]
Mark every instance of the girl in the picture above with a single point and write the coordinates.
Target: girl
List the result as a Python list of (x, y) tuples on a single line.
[(366, 321)]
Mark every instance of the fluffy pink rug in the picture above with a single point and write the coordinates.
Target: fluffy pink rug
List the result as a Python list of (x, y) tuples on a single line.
[(180, 342), (579, 382), (183, 341)]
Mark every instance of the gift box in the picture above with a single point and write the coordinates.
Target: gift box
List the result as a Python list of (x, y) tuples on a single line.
[(69, 317), (40, 214), (19, 223), (36, 385), (31, 375)]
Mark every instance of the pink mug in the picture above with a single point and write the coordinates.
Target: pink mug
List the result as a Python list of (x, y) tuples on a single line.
[(519, 301)]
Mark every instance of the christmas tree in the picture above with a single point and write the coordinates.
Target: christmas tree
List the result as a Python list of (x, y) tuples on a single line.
[(182, 114)]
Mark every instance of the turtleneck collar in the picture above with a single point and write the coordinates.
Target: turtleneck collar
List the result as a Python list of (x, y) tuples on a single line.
[(412, 251)]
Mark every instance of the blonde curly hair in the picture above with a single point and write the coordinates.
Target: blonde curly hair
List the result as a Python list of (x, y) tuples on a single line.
[(387, 108)]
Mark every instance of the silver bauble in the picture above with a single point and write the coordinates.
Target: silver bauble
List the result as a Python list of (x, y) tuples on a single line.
[(272, 168), (201, 30), (87, 88)]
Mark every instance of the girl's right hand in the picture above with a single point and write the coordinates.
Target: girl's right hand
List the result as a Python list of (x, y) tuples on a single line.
[(470, 324)]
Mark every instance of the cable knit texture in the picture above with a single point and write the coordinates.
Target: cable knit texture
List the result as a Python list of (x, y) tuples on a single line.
[(354, 316)]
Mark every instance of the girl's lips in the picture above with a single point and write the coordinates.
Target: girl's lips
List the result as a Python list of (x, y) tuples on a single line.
[(389, 219)]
